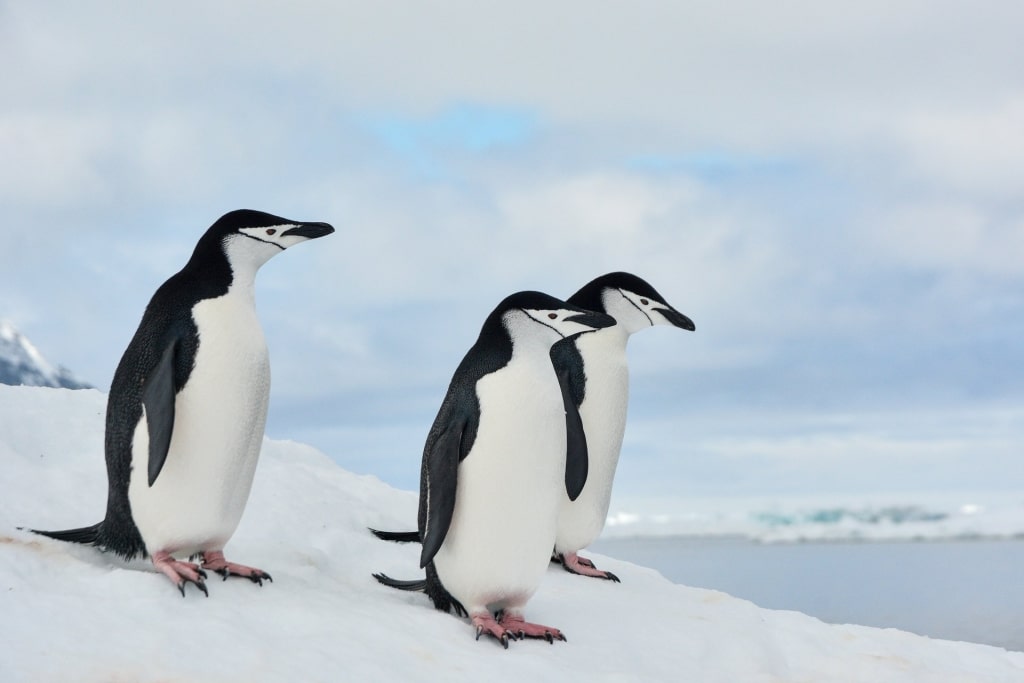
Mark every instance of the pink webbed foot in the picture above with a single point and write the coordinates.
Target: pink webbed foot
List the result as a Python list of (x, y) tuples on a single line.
[(485, 623), (214, 561), (524, 629), (180, 572), (584, 561), (574, 564)]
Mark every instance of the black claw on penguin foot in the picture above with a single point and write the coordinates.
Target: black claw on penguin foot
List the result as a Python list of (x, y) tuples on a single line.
[(548, 637), (561, 637), (611, 577), (504, 640), (224, 573), (479, 630), (201, 572), (258, 576)]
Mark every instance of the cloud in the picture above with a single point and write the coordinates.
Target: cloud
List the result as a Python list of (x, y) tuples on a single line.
[(828, 191), (975, 151), (782, 453), (951, 237), (52, 157)]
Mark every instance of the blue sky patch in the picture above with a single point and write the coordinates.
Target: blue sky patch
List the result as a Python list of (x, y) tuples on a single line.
[(462, 128)]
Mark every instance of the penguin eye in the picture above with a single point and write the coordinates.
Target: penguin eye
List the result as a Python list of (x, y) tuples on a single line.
[(271, 231), (645, 302), (553, 316)]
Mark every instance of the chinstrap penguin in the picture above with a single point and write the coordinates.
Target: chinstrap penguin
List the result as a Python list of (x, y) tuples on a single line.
[(598, 379), (495, 469), (188, 405), (595, 371)]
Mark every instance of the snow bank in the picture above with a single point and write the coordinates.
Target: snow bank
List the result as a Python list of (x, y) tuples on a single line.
[(72, 614)]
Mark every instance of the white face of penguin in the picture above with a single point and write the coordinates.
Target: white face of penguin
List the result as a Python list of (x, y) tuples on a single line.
[(545, 326), (563, 321), (255, 246), (635, 312)]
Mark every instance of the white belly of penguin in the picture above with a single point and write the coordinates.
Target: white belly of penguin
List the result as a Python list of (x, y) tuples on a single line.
[(198, 499), (603, 413), (499, 542)]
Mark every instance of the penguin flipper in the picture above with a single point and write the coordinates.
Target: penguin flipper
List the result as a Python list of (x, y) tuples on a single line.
[(158, 399), (441, 468), (568, 364)]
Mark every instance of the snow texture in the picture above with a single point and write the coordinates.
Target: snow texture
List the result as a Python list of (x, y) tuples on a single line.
[(71, 613)]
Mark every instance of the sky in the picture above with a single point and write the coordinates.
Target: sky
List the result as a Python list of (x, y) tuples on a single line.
[(832, 193)]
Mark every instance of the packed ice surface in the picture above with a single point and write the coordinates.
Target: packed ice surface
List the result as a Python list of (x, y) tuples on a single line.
[(70, 613)]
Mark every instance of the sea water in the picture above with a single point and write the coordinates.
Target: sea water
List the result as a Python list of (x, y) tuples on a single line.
[(970, 590)]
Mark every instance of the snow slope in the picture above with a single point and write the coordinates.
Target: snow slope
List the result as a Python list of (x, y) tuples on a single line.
[(72, 614)]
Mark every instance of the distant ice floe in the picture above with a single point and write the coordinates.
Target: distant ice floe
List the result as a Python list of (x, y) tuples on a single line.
[(929, 517)]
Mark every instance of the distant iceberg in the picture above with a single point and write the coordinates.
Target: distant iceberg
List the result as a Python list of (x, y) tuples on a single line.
[(989, 515)]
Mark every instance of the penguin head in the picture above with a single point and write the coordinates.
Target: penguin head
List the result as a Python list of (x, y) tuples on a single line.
[(538, 316), (631, 300), (248, 238)]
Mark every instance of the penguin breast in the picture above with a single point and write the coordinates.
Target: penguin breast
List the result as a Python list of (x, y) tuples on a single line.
[(509, 487), (220, 414)]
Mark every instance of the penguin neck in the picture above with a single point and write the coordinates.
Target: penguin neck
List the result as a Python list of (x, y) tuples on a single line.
[(538, 345), (243, 283), (618, 334), (530, 344), (631, 322), (215, 277), (243, 257)]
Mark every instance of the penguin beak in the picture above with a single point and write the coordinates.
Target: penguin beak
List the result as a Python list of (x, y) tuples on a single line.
[(676, 318), (592, 319), (309, 230)]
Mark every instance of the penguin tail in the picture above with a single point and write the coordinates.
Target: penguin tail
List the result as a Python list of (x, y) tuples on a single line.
[(419, 585), (87, 535), (441, 598), (397, 536)]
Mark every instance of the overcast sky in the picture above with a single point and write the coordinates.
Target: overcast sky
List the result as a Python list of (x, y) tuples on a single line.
[(834, 194)]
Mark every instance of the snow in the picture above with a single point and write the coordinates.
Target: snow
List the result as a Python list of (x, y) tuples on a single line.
[(73, 614), (22, 363)]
